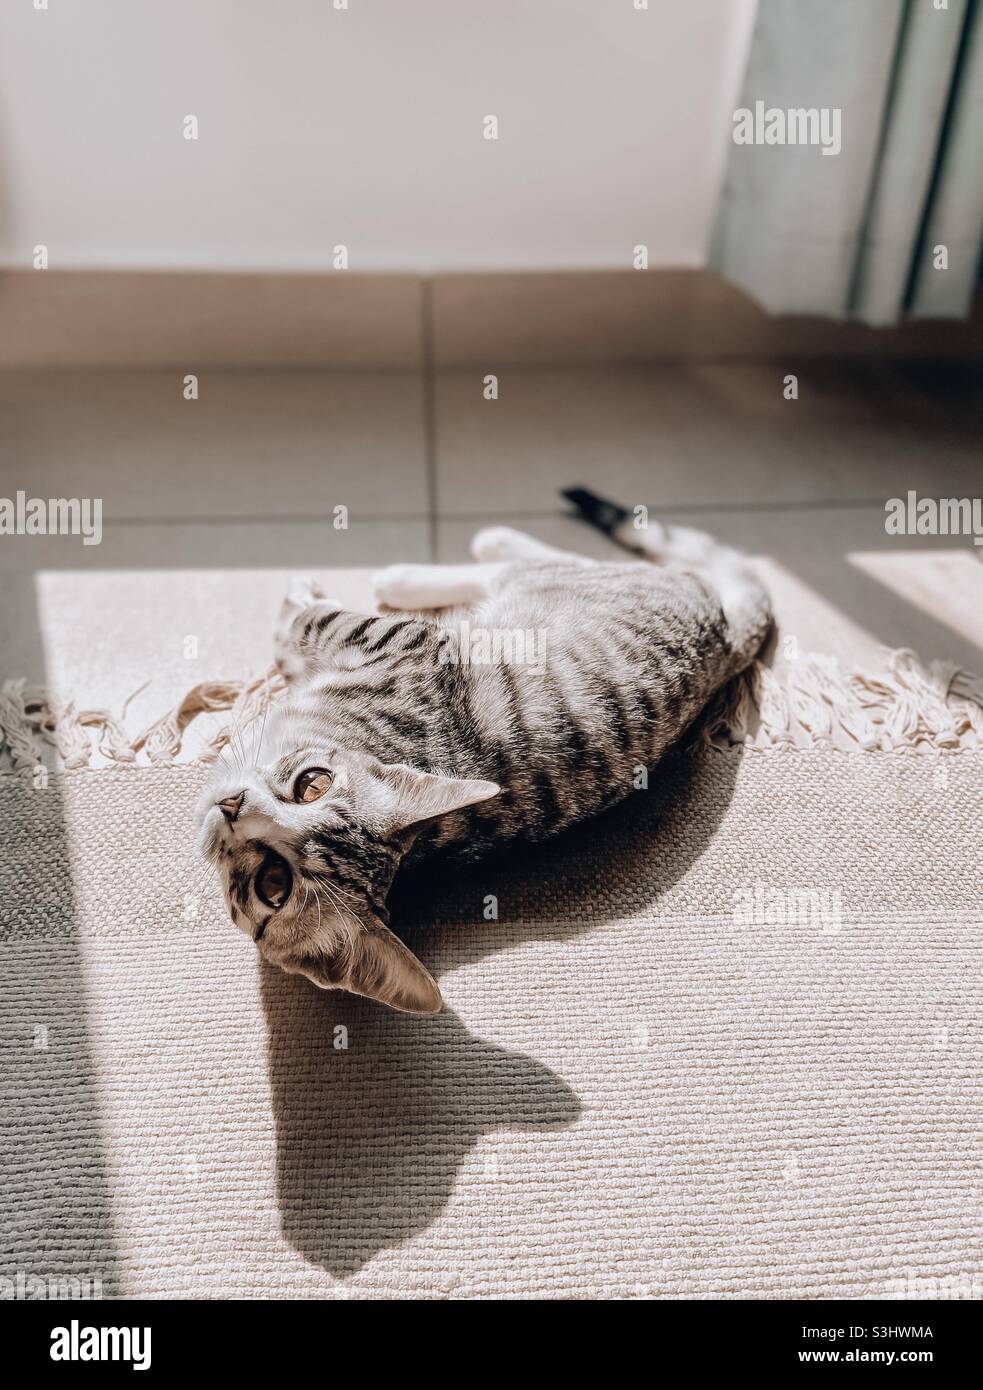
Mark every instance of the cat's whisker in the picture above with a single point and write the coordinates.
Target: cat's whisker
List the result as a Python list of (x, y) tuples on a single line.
[(333, 895), (246, 765), (228, 748), (201, 880), (251, 726), (342, 920), (318, 901), (266, 710), (236, 732), (203, 868), (203, 885), (333, 888)]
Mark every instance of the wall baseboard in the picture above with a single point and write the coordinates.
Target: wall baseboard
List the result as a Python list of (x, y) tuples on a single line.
[(180, 319)]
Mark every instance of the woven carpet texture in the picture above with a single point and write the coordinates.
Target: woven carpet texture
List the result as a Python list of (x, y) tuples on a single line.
[(722, 1043)]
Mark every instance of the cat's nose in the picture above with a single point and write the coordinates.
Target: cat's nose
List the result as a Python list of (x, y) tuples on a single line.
[(232, 805)]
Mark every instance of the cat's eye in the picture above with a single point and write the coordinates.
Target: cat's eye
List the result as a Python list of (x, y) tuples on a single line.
[(312, 784), (273, 881)]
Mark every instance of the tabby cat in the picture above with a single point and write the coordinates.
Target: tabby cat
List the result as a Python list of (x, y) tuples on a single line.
[(505, 701)]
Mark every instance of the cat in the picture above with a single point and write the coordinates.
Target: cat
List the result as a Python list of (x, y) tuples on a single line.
[(408, 734)]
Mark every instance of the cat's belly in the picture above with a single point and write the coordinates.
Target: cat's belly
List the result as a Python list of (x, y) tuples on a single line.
[(563, 750)]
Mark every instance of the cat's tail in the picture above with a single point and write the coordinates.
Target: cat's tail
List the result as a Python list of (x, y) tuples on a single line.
[(744, 598)]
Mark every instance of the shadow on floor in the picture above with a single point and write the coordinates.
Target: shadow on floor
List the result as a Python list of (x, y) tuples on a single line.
[(604, 869), (370, 1136), (370, 1139), (55, 1217)]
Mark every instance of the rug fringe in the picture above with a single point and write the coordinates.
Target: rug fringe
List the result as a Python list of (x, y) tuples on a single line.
[(812, 704), (29, 718)]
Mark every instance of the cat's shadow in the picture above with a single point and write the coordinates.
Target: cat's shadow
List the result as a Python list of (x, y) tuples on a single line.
[(376, 1111)]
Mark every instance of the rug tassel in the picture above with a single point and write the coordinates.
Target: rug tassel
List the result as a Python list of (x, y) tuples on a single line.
[(30, 718), (813, 704), (906, 707), (19, 736)]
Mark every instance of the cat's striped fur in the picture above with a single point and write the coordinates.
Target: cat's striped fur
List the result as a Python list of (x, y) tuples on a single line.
[(433, 752)]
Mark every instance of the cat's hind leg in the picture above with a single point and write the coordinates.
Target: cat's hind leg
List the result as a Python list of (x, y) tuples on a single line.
[(416, 587), (504, 543), (742, 595)]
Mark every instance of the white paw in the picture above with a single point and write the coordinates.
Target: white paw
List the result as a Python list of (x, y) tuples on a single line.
[(303, 592), (401, 586), (500, 543)]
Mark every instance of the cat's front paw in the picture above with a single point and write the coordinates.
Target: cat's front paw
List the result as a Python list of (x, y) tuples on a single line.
[(401, 586), (302, 593)]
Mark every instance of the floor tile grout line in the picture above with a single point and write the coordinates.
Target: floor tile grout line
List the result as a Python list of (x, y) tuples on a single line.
[(433, 516)]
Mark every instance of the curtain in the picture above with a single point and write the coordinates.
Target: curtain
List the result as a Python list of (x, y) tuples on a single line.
[(875, 213)]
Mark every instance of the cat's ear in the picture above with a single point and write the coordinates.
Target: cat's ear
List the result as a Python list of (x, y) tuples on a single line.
[(380, 967), (413, 796)]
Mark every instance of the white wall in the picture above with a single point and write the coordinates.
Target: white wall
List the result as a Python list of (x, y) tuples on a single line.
[(364, 126)]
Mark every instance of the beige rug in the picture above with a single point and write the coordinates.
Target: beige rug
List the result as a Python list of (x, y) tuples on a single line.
[(724, 1043)]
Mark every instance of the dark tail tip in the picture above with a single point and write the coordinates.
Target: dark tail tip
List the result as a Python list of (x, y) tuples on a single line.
[(606, 516)]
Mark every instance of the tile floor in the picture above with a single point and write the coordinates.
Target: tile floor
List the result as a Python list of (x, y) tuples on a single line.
[(210, 505)]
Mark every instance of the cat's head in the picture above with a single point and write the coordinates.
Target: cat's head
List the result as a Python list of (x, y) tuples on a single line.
[(306, 847)]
